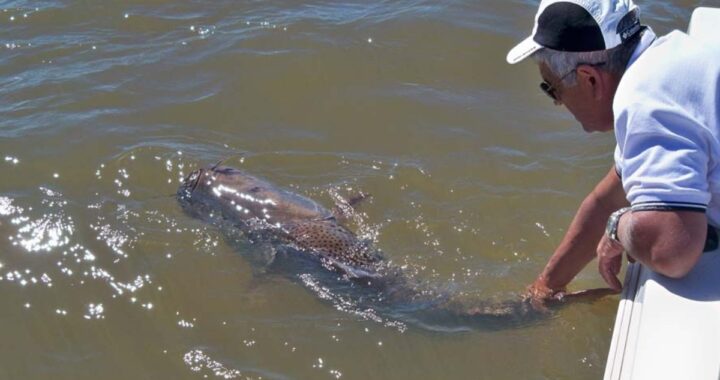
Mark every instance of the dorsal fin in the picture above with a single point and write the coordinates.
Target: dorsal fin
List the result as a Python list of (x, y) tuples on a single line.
[(345, 208)]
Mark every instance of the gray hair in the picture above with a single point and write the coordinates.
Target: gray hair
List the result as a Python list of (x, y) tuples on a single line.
[(614, 60)]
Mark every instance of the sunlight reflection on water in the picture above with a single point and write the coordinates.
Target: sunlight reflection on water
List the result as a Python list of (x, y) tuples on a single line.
[(108, 105)]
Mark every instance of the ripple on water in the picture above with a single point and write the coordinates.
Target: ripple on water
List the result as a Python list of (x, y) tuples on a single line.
[(117, 79), (199, 361), (68, 263), (53, 229), (348, 305)]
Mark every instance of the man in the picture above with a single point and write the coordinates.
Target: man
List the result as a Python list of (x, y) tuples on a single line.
[(661, 97)]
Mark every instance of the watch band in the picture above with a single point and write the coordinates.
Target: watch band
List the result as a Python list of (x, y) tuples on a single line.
[(611, 229)]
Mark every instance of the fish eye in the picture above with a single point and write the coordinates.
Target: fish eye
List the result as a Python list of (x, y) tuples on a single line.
[(255, 189)]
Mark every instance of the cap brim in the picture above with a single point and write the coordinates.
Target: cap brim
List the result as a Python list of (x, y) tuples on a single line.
[(523, 50)]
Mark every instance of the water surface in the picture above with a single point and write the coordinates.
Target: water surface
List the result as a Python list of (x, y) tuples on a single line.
[(106, 105)]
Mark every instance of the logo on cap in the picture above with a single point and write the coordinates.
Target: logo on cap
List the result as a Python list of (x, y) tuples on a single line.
[(629, 25)]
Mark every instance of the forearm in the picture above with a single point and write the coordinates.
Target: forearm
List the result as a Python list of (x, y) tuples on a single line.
[(577, 248), (579, 244)]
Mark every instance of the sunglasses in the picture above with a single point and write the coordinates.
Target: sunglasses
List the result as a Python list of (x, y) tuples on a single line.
[(551, 91)]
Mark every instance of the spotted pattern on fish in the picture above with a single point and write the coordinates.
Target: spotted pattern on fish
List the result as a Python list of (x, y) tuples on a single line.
[(329, 239)]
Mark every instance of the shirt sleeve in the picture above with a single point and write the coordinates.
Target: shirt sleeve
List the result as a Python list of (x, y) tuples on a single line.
[(617, 156), (663, 157)]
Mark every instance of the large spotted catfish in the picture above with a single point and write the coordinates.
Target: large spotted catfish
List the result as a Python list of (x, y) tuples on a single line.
[(307, 238)]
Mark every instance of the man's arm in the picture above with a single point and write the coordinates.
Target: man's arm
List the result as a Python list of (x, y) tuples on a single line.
[(668, 242), (579, 245)]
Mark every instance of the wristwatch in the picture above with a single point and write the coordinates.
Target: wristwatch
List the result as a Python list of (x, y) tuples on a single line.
[(611, 230)]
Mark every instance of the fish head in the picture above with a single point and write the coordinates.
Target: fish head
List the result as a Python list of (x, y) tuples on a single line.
[(204, 181), (221, 191)]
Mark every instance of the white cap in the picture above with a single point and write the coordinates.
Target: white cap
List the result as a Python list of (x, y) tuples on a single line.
[(579, 26)]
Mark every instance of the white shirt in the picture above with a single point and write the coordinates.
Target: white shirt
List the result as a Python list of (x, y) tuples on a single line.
[(667, 127)]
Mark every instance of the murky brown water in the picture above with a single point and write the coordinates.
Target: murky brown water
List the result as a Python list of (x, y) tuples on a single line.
[(105, 105)]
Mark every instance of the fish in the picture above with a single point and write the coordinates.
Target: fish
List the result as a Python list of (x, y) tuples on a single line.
[(266, 212), (311, 238)]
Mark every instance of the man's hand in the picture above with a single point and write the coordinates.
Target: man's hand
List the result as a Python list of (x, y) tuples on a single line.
[(538, 293), (539, 290), (609, 254), (541, 297)]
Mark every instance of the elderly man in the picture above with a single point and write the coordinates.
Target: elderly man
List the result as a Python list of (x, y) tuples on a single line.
[(661, 97)]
